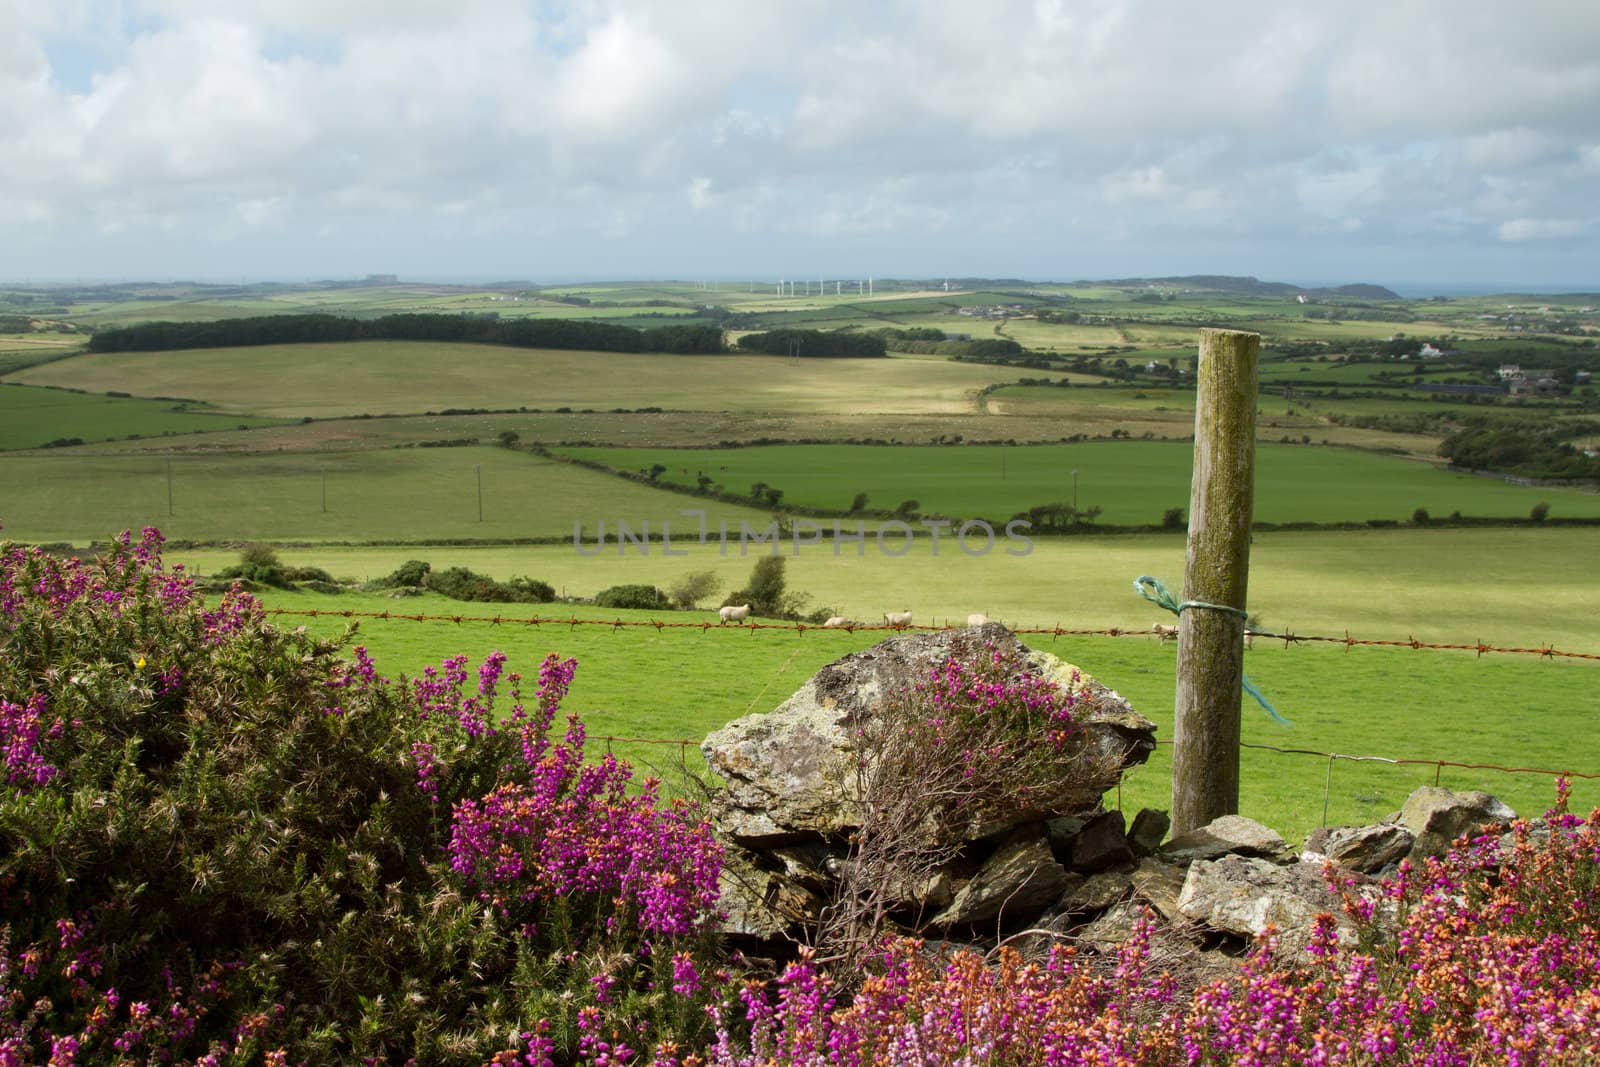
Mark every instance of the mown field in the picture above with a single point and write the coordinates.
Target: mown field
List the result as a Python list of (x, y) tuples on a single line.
[(408, 494), (1133, 481), (412, 376), (32, 416), (418, 494)]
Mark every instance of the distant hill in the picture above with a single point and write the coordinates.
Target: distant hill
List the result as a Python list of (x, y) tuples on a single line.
[(1247, 286)]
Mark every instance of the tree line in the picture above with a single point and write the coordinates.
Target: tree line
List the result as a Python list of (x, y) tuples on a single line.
[(814, 344), (301, 329)]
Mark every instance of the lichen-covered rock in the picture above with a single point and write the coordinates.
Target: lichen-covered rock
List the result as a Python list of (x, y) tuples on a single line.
[(784, 770), (1017, 882), (759, 902), (1231, 834), (1096, 893), (1243, 895), (1437, 816), (1160, 885), (1368, 849), (1111, 928)]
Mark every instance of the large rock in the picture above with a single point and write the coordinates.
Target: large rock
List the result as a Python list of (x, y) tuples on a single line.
[(1096, 893), (1243, 895), (1149, 829), (1017, 882), (1161, 886), (1368, 849), (762, 903), (1437, 816), (1220, 837), (784, 770), (1101, 843)]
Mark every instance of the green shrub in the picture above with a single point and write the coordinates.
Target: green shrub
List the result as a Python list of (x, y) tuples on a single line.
[(221, 838), (631, 596), (694, 587), (413, 573)]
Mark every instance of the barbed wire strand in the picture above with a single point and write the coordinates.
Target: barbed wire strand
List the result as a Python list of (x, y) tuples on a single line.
[(753, 627), (1438, 765)]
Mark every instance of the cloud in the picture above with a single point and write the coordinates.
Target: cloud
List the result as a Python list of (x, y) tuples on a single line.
[(915, 124), (1517, 230)]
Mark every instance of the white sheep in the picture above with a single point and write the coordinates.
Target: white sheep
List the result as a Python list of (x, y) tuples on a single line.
[(898, 619), (1165, 632), (836, 622), (977, 618), (734, 613)]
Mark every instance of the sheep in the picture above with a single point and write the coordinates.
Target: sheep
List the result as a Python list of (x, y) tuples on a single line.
[(899, 620), (836, 622), (977, 618), (1165, 632), (734, 612), (1249, 638)]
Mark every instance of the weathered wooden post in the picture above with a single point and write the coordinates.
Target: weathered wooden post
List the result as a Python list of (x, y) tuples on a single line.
[(1205, 758)]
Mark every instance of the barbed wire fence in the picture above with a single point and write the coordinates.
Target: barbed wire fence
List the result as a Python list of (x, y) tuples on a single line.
[(753, 628)]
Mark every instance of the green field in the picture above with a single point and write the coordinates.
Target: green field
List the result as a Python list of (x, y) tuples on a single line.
[(1133, 481), (411, 494), (375, 377), (681, 684), (31, 416), (1523, 586), (1503, 586)]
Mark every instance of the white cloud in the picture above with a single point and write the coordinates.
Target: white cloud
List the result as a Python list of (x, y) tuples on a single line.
[(911, 123), (1539, 229)]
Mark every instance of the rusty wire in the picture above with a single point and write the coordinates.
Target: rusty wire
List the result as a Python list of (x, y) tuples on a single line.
[(753, 627)]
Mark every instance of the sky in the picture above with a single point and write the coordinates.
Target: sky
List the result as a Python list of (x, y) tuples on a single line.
[(1442, 143)]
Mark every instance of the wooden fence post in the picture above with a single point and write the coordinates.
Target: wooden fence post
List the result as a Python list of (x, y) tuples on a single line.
[(1205, 758)]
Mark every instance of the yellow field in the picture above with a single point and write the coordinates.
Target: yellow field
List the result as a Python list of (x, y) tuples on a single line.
[(374, 377)]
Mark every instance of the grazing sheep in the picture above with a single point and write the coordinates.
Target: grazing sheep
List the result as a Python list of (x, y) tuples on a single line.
[(734, 613), (898, 619), (1165, 632), (977, 618), (836, 622)]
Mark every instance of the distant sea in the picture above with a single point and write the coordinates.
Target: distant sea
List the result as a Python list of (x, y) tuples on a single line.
[(1419, 290)]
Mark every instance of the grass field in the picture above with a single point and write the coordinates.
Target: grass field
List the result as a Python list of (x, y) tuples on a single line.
[(1503, 586), (1170, 413), (422, 494), (408, 377), (1525, 586), (31, 416), (681, 684), (1134, 481)]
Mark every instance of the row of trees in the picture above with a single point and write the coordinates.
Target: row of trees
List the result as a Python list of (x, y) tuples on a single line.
[(1518, 449), (299, 329), (814, 344)]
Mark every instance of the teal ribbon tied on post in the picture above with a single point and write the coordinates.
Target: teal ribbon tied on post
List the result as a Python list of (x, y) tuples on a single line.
[(1156, 591)]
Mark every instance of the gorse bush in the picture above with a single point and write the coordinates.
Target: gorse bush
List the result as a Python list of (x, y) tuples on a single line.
[(632, 596), (221, 841), (459, 583)]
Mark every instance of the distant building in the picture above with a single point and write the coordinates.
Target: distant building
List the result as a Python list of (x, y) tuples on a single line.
[(1509, 371)]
